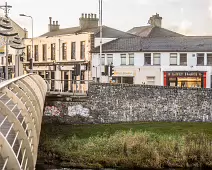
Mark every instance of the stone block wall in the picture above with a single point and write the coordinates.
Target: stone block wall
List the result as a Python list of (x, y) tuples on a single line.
[(126, 103)]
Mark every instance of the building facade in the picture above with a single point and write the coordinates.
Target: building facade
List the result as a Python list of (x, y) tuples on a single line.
[(59, 51), (167, 61)]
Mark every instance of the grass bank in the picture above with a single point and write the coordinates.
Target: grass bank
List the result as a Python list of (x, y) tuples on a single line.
[(131, 145)]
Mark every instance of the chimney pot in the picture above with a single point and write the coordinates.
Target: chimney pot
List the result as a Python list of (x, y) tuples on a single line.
[(57, 23), (53, 22), (50, 20), (85, 15), (95, 16), (82, 15), (91, 15)]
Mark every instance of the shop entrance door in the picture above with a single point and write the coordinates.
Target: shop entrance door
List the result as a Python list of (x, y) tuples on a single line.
[(65, 81)]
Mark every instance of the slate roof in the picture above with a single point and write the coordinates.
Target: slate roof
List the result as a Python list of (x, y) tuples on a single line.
[(153, 31), (159, 44), (107, 32)]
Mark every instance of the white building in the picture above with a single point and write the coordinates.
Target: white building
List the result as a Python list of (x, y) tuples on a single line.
[(168, 61), (57, 52)]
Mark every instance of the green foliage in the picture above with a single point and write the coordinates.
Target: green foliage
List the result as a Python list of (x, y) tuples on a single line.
[(133, 145)]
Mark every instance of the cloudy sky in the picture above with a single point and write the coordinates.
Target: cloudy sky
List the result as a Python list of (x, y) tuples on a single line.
[(190, 17)]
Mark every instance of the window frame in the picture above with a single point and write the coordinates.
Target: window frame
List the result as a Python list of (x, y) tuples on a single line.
[(102, 60), (29, 52), (173, 56), (36, 52), (154, 56), (111, 57), (149, 80), (123, 56), (147, 55), (131, 55), (53, 51), (209, 57), (44, 52), (73, 50), (199, 55), (181, 55), (82, 50), (64, 51)]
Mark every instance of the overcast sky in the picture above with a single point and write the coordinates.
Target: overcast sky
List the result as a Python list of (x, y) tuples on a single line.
[(190, 17)]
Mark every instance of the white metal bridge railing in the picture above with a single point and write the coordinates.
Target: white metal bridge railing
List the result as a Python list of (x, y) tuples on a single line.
[(21, 109)]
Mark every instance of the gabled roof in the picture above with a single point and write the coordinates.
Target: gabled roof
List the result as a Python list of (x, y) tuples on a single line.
[(107, 32), (153, 31), (159, 44)]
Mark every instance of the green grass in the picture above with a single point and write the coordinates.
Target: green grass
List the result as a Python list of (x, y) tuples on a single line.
[(129, 145)]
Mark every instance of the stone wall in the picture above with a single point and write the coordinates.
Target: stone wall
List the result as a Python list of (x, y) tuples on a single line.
[(124, 103)]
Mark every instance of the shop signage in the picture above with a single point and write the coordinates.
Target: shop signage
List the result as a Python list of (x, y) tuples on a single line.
[(124, 73), (2, 51), (185, 74)]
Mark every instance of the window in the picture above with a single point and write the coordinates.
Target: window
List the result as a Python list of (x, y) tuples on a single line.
[(109, 59), (2, 60), (150, 80), (173, 59), (73, 50), (156, 59), (147, 59), (82, 50), (200, 59), (44, 52), (123, 59), (64, 51), (36, 53), (28, 52), (53, 46), (209, 59), (183, 59), (131, 59), (103, 60), (82, 77)]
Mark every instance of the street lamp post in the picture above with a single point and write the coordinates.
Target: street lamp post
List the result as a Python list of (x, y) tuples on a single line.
[(31, 59)]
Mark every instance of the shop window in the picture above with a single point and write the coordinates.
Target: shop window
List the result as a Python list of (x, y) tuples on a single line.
[(103, 60), (28, 52), (109, 59), (156, 59), (123, 59), (36, 53), (53, 46), (73, 50), (209, 59), (44, 52), (200, 59), (82, 50), (183, 59), (147, 59), (173, 59), (150, 80), (64, 51), (131, 59), (82, 77)]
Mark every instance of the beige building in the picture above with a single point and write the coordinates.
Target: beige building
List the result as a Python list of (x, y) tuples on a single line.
[(59, 51)]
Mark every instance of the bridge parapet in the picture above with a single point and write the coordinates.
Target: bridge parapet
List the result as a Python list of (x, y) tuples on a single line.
[(21, 110)]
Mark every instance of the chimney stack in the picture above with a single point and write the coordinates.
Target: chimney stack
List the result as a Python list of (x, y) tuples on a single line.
[(53, 26), (88, 21), (155, 20)]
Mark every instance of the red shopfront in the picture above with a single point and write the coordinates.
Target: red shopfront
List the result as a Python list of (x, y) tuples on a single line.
[(190, 79)]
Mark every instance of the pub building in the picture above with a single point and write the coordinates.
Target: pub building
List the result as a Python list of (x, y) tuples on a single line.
[(189, 79)]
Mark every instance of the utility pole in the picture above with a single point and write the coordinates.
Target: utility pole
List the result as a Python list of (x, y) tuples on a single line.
[(6, 9), (100, 25)]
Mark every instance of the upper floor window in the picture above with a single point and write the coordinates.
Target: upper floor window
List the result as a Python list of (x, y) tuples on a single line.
[(200, 59), (28, 52), (147, 59), (103, 60), (183, 59), (209, 59), (73, 50), (82, 50), (64, 51), (53, 50), (131, 59), (2, 60), (123, 59), (44, 52), (109, 59), (173, 59), (36, 53), (156, 59)]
